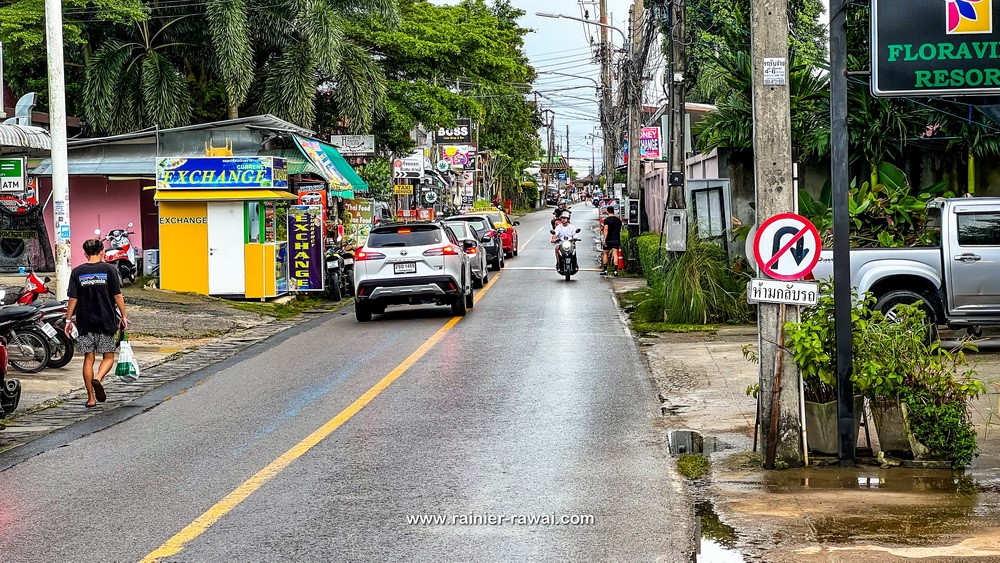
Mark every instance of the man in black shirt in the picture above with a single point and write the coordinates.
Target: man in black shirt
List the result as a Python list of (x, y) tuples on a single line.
[(94, 292), (611, 238)]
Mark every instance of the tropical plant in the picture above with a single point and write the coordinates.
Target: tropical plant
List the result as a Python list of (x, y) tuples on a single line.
[(700, 286)]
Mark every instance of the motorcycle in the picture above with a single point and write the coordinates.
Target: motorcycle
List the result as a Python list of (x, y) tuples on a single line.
[(339, 268), (122, 253), (10, 388), (567, 264), (27, 337), (54, 313)]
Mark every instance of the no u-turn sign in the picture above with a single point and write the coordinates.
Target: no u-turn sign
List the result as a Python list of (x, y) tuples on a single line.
[(786, 247)]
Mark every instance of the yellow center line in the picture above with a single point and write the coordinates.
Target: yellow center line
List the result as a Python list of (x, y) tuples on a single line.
[(174, 545)]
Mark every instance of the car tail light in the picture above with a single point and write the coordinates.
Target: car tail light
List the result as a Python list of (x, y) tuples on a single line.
[(366, 255), (446, 250), (471, 250)]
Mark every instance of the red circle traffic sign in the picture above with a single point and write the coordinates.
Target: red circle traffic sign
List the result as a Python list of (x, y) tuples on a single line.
[(786, 247)]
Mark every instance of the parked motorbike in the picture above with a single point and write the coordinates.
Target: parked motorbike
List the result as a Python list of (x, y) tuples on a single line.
[(567, 264), (36, 293), (10, 388), (339, 268), (27, 337), (122, 253)]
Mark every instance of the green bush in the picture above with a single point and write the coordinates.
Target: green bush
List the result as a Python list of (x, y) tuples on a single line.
[(701, 287)]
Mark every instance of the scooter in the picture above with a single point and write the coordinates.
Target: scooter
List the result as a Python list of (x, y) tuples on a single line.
[(27, 337), (122, 252), (567, 265), (54, 313), (339, 268)]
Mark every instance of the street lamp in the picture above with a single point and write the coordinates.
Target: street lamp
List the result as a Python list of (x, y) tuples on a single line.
[(598, 24)]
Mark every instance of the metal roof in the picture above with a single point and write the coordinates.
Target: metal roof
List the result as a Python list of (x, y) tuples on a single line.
[(267, 122), (24, 136)]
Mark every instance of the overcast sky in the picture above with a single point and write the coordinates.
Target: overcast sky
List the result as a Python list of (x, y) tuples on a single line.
[(561, 45)]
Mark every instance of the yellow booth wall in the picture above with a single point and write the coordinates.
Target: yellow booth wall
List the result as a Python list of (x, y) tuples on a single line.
[(184, 246)]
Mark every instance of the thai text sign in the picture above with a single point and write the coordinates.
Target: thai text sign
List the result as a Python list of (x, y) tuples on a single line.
[(649, 143), (240, 172), (789, 293), (934, 48), (305, 238)]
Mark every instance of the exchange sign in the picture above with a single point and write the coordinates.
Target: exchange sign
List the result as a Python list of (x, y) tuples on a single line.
[(930, 48)]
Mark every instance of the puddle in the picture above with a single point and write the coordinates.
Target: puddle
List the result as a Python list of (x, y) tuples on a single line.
[(691, 442), (717, 541)]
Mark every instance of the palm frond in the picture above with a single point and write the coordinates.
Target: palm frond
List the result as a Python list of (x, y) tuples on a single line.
[(165, 95), (229, 29), (290, 85), (360, 88)]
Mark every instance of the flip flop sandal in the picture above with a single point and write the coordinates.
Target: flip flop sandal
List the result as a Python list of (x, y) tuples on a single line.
[(90, 406), (99, 391)]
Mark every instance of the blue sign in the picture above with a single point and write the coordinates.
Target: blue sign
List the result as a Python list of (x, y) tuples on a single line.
[(560, 175), (238, 172)]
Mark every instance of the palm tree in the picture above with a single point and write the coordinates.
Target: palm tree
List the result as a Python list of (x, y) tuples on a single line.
[(134, 84)]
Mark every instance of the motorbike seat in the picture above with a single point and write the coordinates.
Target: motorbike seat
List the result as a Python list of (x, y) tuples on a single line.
[(17, 313), (49, 304)]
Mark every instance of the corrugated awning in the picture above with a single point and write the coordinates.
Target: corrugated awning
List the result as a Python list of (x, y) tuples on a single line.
[(222, 195), (295, 163), (25, 136), (342, 179)]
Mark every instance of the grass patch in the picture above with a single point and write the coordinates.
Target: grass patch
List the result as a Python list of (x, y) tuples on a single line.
[(645, 308), (642, 327), (693, 466), (293, 308)]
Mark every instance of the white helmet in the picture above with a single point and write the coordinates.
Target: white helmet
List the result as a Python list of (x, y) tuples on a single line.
[(564, 215)]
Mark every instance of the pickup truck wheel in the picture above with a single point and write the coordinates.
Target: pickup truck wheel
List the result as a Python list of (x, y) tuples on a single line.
[(889, 301)]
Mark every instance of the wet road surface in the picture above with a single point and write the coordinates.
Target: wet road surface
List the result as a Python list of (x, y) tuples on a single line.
[(332, 441)]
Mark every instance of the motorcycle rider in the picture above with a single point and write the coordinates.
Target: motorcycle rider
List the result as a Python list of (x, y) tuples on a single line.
[(557, 213), (564, 231)]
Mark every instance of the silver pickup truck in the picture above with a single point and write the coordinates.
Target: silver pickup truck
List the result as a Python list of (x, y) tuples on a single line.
[(958, 280)]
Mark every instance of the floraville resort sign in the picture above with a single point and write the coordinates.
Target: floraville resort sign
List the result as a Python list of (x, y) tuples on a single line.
[(935, 47)]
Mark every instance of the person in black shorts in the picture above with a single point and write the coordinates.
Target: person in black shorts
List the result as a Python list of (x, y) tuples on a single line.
[(611, 241)]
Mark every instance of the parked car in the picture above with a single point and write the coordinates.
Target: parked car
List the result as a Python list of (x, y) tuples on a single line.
[(477, 254), (505, 226), (956, 281), (412, 264), (490, 237)]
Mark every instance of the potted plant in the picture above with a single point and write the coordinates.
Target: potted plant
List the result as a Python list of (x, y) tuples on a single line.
[(918, 390), (812, 344)]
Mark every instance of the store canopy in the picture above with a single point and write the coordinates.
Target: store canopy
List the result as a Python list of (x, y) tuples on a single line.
[(221, 195), (24, 136), (343, 180)]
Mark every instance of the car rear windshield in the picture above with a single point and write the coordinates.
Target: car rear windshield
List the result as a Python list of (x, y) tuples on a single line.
[(404, 235), (460, 229), (478, 224)]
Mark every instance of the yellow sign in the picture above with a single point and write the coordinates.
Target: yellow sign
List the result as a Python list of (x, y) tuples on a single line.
[(402, 189)]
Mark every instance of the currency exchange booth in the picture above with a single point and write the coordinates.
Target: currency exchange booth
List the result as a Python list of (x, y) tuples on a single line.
[(223, 229)]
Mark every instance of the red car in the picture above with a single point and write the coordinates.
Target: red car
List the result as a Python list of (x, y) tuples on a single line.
[(505, 226)]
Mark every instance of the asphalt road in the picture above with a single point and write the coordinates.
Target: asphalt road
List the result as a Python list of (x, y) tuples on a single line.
[(325, 443)]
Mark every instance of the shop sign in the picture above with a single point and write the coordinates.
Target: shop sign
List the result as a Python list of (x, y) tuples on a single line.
[(461, 133), (237, 172), (411, 167), (354, 145), (457, 156), (305, 239), (362, 212), (402, 189), (319, 154), (649, 143), (12, 175), (934, 48)]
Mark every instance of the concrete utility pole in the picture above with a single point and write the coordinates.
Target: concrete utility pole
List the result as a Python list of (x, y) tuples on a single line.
[(57, 130), (634, 87), (772, 131), (607, 111), (567, 145), (678, 152)]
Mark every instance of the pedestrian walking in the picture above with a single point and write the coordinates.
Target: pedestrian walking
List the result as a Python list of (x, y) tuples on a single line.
[(94, 292), (611, 240)]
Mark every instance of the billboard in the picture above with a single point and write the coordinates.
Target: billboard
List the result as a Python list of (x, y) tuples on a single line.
[(934, 48), (354, 145), (649, 143), (237, 172), (460, 134)]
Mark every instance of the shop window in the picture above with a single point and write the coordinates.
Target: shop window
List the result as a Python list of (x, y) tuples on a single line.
[(254, 225)]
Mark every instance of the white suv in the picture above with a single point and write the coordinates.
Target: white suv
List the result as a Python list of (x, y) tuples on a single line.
[(412, 264)]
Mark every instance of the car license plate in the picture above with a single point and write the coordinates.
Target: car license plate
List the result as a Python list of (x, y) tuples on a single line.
[(49, 330), (405, 268)]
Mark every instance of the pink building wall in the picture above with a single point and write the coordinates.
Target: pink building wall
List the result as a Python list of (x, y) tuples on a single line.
[(95, 202)]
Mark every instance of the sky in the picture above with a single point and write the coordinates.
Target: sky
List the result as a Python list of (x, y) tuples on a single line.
[(561, 45)]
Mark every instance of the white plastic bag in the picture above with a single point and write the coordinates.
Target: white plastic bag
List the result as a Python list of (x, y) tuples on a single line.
[(127, 369)]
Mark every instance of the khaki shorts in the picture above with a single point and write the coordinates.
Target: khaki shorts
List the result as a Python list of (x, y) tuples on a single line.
[(97, 343)]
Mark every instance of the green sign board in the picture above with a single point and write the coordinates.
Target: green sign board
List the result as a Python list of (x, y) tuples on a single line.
[(935, 47), (11, 175)]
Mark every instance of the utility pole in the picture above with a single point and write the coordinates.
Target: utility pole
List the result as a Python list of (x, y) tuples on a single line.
[(567, 145), (57, 131), (676, 198), (607, 111), (634, 87), (779, 377)]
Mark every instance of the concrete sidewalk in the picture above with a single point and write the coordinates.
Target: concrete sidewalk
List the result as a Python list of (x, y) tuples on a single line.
[(826, 513)]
